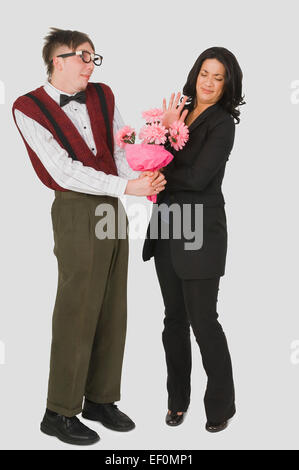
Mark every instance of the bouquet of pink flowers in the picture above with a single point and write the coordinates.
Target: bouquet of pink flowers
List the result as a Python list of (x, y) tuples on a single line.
[(151, 155)]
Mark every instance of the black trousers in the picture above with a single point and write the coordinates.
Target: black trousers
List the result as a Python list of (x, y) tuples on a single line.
[(193, 302)]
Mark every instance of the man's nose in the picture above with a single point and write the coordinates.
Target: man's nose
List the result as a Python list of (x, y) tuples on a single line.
[(90, 67)]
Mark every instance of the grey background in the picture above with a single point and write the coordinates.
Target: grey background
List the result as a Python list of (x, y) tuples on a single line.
[(148, 49)]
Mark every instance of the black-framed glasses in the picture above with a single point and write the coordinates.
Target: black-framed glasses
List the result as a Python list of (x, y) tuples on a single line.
[(86, 56)]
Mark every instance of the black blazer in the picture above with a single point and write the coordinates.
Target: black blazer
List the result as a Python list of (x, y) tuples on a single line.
[(194, 177)]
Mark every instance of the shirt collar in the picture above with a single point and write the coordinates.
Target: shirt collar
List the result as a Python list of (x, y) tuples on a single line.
[(54, 92)]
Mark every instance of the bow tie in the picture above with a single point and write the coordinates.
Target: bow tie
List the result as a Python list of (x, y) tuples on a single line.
[(80, 97)]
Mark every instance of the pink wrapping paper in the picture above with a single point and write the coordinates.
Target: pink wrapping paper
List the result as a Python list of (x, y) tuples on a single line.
[(147, 157)]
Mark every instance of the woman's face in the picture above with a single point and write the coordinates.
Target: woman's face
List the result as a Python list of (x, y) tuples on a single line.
[(210, 82)]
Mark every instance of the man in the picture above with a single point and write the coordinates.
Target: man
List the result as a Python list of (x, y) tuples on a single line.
[(68, 127)]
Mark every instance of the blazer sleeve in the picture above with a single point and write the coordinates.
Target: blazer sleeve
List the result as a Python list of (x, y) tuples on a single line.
[(212, 156)]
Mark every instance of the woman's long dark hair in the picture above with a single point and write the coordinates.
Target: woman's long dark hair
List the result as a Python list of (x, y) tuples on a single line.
[(232, 94)]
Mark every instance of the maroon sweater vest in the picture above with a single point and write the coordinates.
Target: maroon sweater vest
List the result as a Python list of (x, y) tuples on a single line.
[(102, 161)]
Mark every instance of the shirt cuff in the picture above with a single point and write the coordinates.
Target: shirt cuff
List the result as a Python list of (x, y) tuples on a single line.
[(121, 185)]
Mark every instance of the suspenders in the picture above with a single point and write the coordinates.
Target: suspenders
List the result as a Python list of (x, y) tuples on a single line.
[(58, 129), (102, 99)]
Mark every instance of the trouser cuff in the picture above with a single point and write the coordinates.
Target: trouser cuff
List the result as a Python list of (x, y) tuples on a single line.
[(99, 399), (63, 411)]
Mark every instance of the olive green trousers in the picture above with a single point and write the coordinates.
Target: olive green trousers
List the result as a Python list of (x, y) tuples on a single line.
[(90, 313)]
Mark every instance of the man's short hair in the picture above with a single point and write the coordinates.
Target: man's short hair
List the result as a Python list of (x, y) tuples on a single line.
[(60, 37)]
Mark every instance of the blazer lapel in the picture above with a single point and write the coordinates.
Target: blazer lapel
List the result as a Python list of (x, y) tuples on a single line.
[(203, 116)]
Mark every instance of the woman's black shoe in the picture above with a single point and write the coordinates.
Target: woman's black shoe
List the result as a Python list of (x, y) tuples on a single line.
[(173, 419), (69, 430), (216, 427)]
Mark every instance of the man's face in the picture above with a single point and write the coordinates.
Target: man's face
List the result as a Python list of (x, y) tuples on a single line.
[(72, 71)]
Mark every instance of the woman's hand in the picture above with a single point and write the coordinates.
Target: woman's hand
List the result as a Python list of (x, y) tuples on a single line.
[(174, 111), (149, 183), (158, 179)]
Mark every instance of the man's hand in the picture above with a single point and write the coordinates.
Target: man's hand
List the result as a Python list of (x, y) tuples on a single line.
[(174, 111), (149, 183), (155, 174)]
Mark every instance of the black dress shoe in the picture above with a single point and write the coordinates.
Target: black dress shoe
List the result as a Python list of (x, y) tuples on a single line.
[(69, 430), (173, 419), (108, 414), (211, 427)]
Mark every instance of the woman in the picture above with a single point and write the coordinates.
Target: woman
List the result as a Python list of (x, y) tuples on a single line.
[(189, 277)]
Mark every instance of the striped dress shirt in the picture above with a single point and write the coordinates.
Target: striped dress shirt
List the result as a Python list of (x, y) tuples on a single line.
[(68, 173)]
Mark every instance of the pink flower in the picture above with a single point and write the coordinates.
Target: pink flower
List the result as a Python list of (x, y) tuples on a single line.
[(153, 115), (153, 134), (126, 135), (178, 135)]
